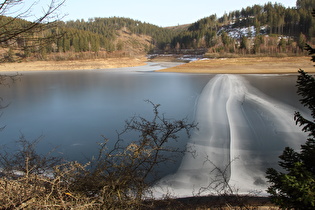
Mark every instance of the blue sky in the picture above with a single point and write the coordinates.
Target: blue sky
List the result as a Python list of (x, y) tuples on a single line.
[(158, 12)]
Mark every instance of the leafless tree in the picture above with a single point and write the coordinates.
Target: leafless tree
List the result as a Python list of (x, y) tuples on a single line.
[(18, 33)]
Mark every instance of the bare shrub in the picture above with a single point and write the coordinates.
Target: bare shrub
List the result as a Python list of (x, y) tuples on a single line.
[(121, 175), (118, 177), (219, 193)]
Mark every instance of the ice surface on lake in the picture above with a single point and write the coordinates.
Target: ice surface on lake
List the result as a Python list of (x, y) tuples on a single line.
[(241, 133)]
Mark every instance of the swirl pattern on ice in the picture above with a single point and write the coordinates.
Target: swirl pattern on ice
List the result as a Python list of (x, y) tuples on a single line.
[(241, 132)]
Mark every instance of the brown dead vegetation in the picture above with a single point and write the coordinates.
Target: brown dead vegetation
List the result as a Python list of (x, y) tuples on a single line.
[(73, 64), (254, 65)]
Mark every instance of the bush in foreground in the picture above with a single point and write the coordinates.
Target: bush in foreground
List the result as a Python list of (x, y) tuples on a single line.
[(118, 177)]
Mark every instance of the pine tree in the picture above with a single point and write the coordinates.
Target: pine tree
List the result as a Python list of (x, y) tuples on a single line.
[(295, 188)]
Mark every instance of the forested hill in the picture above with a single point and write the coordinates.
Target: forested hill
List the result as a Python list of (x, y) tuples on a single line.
[(258, 29), (109, 31), (269, 28)]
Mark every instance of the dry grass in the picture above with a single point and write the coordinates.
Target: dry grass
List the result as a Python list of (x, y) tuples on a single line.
[(263, 65), (73, 65)]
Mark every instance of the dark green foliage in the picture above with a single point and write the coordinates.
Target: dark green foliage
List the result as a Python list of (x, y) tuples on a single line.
[(279, 20), (301, 41), (81, 36), (100, 34), (311, 52), (244, 42), (305, 4), (225, 38), (104, 30), (306, 88), (295, 187)]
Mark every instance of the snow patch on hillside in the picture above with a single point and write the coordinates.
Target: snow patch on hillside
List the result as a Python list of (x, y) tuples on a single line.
[(238, 32)]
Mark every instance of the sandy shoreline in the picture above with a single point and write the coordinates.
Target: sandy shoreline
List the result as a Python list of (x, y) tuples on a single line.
[(72, 65), (263, 65)]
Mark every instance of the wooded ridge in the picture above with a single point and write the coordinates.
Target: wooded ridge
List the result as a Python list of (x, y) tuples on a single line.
[(269, 29)]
